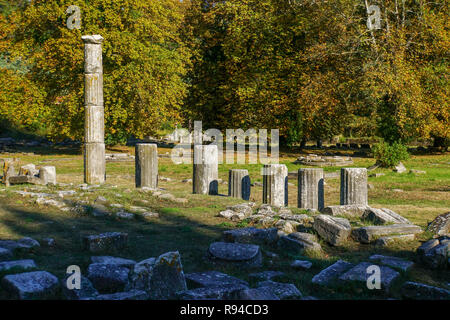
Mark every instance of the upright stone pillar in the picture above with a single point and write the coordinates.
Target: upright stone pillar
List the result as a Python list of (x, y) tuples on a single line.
[(310, 189), (275, 185), (47, 175), (94, 125), (239, 184), (354, 186), (205, 178), (146, 165)]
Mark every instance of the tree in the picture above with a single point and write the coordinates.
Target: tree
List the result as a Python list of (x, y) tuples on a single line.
[(272, 64), (406, 77), (144, 62)]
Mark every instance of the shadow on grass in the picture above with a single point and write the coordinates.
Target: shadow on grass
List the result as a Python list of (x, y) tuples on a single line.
[(173, 231)]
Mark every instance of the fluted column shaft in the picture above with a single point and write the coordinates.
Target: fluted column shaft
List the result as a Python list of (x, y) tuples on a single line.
[(239, 184), (275, 185), (94, 125), (310, 188), (354, 186)]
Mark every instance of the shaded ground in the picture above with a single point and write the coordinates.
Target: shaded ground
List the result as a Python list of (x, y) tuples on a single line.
[(192, 227)]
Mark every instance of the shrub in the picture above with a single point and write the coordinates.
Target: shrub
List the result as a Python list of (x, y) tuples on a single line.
[(389, 155)]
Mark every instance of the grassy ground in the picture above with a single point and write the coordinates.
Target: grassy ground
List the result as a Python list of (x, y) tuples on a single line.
[(190, 228)]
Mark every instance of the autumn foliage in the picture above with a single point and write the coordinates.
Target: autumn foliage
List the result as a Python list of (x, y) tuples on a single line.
[(313, 69)]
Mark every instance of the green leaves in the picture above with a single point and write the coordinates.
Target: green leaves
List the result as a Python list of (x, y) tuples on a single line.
[(143, 57)]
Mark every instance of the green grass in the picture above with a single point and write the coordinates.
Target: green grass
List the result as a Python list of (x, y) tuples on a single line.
[(192, 227)]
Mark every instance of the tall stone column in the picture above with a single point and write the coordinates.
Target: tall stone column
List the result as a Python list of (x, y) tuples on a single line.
[(94, 125), (206, 170), (354, 186), (146, 165), (310, 189), (275, 185), (239, 184)]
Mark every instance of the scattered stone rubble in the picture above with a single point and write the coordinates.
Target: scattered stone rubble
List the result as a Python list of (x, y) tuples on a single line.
[(28, 174), (435, 253)]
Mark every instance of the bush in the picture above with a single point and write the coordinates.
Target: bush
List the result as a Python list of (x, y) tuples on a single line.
[(389, 155)]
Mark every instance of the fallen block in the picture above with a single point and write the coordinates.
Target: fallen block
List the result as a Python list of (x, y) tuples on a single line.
[(371, 233)]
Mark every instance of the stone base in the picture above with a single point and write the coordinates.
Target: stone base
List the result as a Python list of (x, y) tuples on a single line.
[(94, 163)]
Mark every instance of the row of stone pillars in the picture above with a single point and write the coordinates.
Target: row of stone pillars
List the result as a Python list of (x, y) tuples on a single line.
[(205, 177)]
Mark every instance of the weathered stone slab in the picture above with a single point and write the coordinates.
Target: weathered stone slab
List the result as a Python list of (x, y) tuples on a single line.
[(161, 277), (127, 263), (231, 215), (24, 180), (435, 253), (141, 274), (266, 210), (110, 241), (383, 216), (284, 291), (17, 264), (300, 218), (266, 275), (389, 240), (334, 230), (441, 225), (5, 254), (258, 294), (421, 291), (86, 290), (212, 279), (225, 292), (251, 235), (324, 161), (301, 264), (329, 275), (393, 262), (150, 215), (32, 285), (24, 245), (108, 278), (299, 242), (350, 210), (371, 233), (238, 254), (287, 226), (243, 208), (426, 246), (168, 276), (359, 274)]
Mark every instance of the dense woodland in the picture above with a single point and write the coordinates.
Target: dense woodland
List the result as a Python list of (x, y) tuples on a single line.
[(311, 68)]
